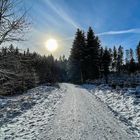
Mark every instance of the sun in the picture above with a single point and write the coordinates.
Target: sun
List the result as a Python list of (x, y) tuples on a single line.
[(51, 45)]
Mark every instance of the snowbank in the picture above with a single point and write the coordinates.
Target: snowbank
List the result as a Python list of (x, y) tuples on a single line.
[(125, 103), (10, 107), (25, 116)]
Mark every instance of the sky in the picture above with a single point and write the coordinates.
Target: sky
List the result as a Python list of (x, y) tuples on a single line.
[(116, 22)]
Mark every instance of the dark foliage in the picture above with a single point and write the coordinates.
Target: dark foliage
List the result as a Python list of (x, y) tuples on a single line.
[(106, 60), (84, 63), (88, 61), (21, 71), (92, 55), (76, 59)]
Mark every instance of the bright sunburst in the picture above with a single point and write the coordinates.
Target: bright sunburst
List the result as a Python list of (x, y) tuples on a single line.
[(51, 45)]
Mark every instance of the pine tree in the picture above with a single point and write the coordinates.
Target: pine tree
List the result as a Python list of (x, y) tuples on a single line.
[(114, 64), (106, 63), (127, 58), (92, 55), (131, 64), (17, 73), (120, 58), (16, 51), (11, 48), (76, 59), (111, 57), (62, 65), (131, 54), (138, 52), (101, 52)]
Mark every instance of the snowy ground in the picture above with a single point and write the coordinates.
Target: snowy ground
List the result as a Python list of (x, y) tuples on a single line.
[(13, 106), (125, 103), (25, 116), (68, 113)]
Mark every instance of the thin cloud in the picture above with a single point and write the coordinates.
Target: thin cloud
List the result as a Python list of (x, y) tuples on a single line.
[(134, 31), (62, 14)]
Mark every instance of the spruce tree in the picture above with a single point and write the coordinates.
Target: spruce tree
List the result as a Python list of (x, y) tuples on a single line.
[(131, 54), (101, 52), (76, 59), (127, 56), (138, 52), (92, 55), (114, 64), (111, 57), (132, 66), (120, 58), (106, 63), (62, 66)]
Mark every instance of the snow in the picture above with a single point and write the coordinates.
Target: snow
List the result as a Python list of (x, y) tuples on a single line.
[(36, 108), (82, 117), (67, 113), (12, 106), (125, 103)]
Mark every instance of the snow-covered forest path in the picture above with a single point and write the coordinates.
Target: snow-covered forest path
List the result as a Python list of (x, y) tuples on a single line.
[(77, 115), (81, 116)]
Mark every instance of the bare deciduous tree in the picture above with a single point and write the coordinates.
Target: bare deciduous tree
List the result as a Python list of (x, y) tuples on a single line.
[(12, 23), (12, 28)]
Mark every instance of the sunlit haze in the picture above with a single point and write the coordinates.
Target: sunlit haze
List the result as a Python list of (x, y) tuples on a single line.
[(51, 45)]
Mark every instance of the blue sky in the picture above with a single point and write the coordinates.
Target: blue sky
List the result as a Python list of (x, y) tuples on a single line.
[(117, 22)]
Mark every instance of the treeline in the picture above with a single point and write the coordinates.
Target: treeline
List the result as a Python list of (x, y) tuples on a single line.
[(22, 70), (90, 61)]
